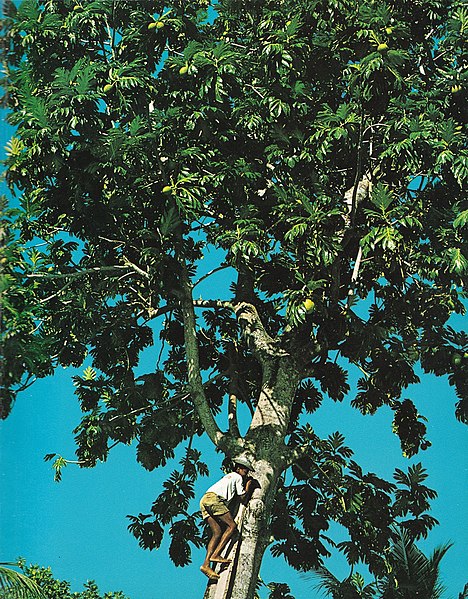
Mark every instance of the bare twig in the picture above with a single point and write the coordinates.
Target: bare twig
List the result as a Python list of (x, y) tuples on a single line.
[(136, 268), (208, 274), (46, 299), (75, 275), (355, 274)]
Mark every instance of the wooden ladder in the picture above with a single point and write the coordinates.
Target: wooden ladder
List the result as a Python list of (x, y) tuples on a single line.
[(221, 588)]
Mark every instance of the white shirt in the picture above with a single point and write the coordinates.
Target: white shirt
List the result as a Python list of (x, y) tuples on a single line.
[(230, 485)]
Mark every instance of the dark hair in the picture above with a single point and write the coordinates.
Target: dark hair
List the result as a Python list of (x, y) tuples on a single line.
[(237, 465)]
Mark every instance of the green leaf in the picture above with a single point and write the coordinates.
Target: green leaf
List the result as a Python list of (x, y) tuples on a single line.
[(461, 220), (37, 111), (460, 169), (89, 374), (14, 147), (170, 220), (456, 260), (59, 463), (388, 237), (381, 196), (297, 230)]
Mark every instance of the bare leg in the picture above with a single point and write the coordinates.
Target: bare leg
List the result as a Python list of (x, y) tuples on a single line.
[(231, 528), (213, 543)]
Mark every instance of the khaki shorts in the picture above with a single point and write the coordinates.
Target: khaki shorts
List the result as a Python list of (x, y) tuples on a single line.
[(212, 505)]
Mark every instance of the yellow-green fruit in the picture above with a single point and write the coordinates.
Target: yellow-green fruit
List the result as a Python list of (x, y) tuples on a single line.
[(183, 70), (382, 47), (159, 25), (456, 89), (388, 30), (77, 7), (167, 189), (456, 359), (152, 25), (309, 305), (108, 87)]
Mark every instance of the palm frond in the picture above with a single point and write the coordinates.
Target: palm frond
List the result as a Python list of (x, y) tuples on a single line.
[(17, 585), (411, 562), (414, 570), (326, 581), (432, 582)]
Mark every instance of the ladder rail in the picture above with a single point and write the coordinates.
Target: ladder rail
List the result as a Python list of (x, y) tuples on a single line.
[(221, 588)]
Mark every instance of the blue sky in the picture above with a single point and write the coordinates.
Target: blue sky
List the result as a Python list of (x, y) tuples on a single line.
[(78, 526)]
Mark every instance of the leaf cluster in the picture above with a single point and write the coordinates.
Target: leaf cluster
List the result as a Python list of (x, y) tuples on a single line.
[(54, 588), (171, 504), (328, 486)]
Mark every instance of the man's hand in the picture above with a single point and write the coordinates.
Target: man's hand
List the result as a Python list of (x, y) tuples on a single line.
[(251, 484)]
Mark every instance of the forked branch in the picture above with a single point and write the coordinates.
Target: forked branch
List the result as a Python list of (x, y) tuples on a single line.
[(258, 340)]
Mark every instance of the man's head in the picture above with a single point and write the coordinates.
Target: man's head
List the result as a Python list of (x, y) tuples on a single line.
[(243, 466)]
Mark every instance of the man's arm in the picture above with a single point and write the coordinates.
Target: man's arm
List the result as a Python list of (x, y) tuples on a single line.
[(250, 487)]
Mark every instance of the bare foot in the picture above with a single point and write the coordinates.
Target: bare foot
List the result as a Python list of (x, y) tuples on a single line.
[(220, 560), (207, 571)]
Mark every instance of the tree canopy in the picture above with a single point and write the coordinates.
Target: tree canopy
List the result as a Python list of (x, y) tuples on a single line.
[(315, 150)]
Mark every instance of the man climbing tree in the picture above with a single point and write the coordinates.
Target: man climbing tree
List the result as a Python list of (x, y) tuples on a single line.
[(315, 152), (215, 511)]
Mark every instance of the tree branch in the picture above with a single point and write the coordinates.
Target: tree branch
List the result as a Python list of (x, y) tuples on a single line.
[(195, 383), (156, 312), (212, 304), (358, 192), (136, 268), (352, 198), (233, 391)]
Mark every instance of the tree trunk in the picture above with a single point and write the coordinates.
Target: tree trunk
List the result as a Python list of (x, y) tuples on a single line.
[(265, 445), (255, 534)]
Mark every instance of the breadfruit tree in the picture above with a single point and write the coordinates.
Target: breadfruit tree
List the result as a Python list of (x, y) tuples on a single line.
[(316, 151)]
